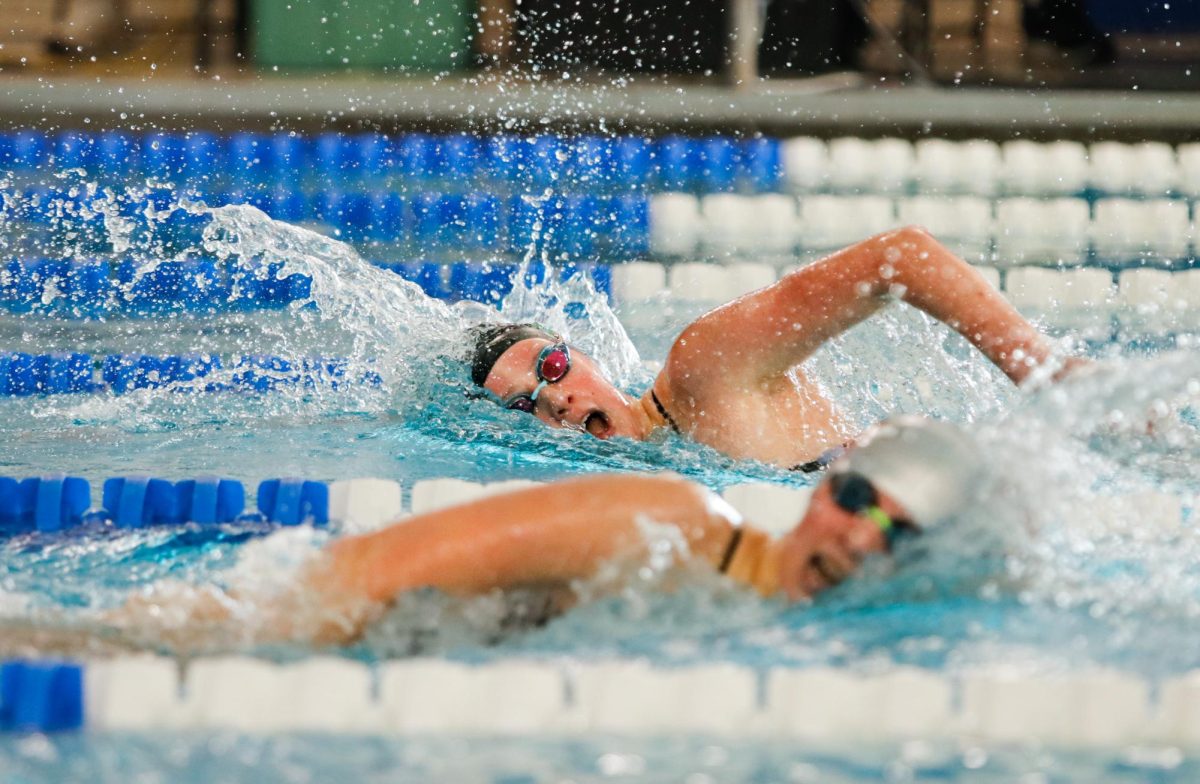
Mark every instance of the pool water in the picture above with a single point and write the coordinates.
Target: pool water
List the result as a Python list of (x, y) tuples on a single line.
[(990, 587), (418, 422), (1082, 548), (697, 760)]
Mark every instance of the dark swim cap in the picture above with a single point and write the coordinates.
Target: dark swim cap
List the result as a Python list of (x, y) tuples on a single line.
[(492, 340)]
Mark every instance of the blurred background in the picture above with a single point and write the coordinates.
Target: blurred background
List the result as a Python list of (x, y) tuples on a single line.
[(1084, 43)]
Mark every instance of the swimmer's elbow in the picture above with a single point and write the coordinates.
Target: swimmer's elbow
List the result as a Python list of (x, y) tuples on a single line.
[(916, 232), (912, 234)]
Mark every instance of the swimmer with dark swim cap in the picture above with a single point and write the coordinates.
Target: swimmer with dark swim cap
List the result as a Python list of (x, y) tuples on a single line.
[(910, 475), (597, 408), (733, 379)]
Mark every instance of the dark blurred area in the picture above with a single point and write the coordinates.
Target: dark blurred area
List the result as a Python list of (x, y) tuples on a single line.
[(1084, 43), (802, 37), (667, 36)]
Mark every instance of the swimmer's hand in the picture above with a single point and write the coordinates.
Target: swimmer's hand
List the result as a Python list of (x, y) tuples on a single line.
[(828, 545), (201, 618), (1073, 367), (1060, 368), (171, 613)]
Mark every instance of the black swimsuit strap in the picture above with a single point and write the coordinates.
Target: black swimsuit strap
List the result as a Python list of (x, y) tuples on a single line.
[(820, 464), (662, 410), (730, 550), (823, 461), (810, 467)]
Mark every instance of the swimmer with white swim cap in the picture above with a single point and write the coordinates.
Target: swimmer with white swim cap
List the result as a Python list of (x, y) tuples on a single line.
[(930, 468), (905, 475), (733, 379), (909, 475)]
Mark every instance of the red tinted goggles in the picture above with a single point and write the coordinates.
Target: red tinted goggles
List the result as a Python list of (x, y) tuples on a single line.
[(552, 365)]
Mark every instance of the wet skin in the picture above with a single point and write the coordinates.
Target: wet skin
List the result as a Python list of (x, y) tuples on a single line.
[(583, 399), (550, 536), (733, 379)]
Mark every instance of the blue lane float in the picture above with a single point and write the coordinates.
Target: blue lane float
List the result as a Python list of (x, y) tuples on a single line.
[(56, 503), (588, 163), (582, 225), (24, 375), (139, 501), (121, 373), (49, 503), (90, 289), (210, 499), (491, 282), (293, 501), (458, 221), (41, 696)]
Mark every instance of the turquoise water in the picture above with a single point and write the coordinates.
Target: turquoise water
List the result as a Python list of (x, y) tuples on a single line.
[(1025, 572), (225, 757), (1063, 563), (419, 422)]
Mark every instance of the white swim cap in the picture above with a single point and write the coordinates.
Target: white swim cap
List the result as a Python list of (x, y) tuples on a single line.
[(930, 468)]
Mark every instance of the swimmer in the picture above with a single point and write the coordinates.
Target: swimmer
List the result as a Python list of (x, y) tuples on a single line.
[(906, 476), (732, 379)]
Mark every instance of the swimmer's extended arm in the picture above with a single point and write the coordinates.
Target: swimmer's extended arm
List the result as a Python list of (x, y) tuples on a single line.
[(762, 335), (546, 535)]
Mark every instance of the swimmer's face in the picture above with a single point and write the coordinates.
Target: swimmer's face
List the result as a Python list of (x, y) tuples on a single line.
[(583, 399)]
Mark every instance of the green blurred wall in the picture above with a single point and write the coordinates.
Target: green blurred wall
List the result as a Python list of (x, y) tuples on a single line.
[(396, 35)]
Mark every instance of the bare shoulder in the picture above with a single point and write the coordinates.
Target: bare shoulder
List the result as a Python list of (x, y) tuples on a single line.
[(785, 420)]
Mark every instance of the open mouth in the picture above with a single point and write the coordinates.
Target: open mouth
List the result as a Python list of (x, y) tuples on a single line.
[(597, 424)]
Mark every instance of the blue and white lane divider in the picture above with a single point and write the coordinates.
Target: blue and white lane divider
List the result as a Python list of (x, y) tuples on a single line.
[(55, 502), (1035, 285), (1078, 708), (23, 374), (206, 161), (1082, 708)]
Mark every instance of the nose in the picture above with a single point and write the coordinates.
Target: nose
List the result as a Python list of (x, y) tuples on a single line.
[(558, 401)]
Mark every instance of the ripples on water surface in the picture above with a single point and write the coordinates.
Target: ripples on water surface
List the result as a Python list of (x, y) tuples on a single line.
[(227, 757), (1065, 560)]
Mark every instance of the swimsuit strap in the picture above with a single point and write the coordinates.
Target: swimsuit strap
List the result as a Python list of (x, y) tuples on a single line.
[(823, 460), (730, 549), (662, 410), (821, 463), (812, 466)]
